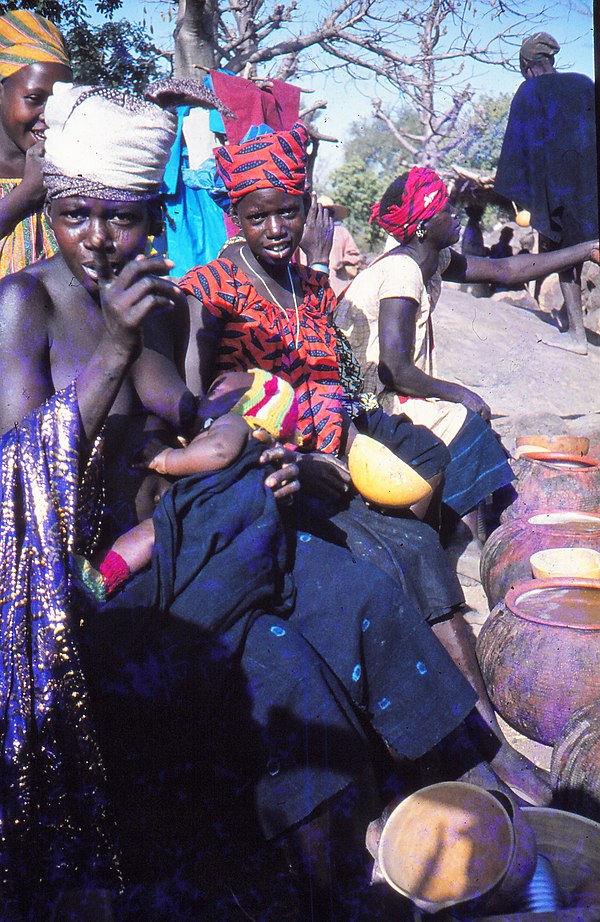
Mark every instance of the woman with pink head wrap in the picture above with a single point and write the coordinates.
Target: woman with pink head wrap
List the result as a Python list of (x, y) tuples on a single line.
[(386, 313)]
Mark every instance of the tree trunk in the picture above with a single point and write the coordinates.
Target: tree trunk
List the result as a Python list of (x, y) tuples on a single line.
[(194, 36)]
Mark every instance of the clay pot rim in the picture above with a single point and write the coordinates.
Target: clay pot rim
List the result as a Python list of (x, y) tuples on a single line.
[(582, 462), (558, 582)]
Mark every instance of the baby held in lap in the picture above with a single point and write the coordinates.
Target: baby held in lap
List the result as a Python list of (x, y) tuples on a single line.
[(240, 406)]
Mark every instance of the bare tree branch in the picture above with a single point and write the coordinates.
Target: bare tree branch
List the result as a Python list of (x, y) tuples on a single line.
[(418, 47), (380, 114)]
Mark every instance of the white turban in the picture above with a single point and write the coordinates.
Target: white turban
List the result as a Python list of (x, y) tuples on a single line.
[(104, 144)]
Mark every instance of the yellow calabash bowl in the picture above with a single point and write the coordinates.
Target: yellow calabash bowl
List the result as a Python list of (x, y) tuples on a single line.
[(382, 478), (582, 562)]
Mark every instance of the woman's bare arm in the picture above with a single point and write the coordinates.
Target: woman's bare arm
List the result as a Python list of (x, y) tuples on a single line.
[(397, 325), (27, 197), (205, 332), (515, 270), (24, 348)]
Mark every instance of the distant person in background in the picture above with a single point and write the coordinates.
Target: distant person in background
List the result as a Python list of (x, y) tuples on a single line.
[(472, 240), (502, 249), (345, 257), (527, 243), (548, 166), (33, 56)]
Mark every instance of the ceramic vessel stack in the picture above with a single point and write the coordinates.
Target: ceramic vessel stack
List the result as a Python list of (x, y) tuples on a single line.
[(557, 475), (539, 650)]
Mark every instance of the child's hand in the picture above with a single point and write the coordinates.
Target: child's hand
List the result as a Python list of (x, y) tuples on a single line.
[(143, 459)]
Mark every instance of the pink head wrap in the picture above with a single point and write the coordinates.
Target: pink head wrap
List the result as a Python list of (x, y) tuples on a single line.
[(424, 195)]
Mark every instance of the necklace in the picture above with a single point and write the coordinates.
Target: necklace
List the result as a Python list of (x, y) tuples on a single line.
[(274, 299)]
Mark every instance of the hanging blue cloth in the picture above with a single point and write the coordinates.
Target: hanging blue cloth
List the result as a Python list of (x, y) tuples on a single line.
[(195, 228)]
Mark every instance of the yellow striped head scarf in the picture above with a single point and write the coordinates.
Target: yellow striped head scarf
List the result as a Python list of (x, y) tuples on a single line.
[(270, 404), (27, 38)]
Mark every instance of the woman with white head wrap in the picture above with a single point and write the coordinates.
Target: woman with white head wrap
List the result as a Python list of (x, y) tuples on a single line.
[(82, 157), (70, 349)]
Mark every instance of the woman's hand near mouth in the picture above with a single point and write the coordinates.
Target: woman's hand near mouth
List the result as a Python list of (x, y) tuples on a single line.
[(129, 296), (32, 184)]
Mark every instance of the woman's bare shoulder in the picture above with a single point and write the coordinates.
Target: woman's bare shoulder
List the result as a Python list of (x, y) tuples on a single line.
[(26, 291)]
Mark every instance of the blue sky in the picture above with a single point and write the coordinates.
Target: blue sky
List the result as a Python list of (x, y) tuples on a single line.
[(570, 21)]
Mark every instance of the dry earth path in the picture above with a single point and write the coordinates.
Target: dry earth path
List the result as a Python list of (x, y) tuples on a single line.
[(495, 348)]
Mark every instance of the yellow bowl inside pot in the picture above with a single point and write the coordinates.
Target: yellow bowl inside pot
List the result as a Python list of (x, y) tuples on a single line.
[(446, 844), (583, 562)]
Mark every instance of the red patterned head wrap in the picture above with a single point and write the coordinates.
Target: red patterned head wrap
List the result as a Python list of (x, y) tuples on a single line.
[(424, 195), (270, 161)]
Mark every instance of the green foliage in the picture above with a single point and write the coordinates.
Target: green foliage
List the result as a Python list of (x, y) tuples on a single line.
[(119, 53), (373, 157), (477, 138), (65, 12), (371, 141), (358, 187)]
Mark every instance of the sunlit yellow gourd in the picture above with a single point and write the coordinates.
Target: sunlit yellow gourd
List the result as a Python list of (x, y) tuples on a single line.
[(523, 218), (382, 478)]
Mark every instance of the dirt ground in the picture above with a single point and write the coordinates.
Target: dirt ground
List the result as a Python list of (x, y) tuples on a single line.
[(495, 348)]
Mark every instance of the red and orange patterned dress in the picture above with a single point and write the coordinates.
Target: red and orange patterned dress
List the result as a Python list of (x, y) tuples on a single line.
[(260, 334)]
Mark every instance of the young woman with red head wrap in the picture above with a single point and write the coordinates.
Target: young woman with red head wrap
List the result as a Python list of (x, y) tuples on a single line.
[(259, 309)]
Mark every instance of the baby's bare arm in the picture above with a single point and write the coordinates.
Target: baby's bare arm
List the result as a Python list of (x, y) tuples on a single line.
[(212, 450)]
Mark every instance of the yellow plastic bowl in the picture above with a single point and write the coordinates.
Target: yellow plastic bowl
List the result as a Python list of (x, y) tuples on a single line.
[(382, 478), (568, 444), (581, 562)]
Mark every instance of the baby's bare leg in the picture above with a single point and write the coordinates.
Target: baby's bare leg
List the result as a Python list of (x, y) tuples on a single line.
[(135, 547)]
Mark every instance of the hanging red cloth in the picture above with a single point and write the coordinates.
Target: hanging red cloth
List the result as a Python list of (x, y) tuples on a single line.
[(277, 105)]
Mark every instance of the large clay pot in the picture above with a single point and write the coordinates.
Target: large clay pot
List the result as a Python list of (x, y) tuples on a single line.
[(453, 844), (539, 652), (505, 557), (576, 762), (554, 481)]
